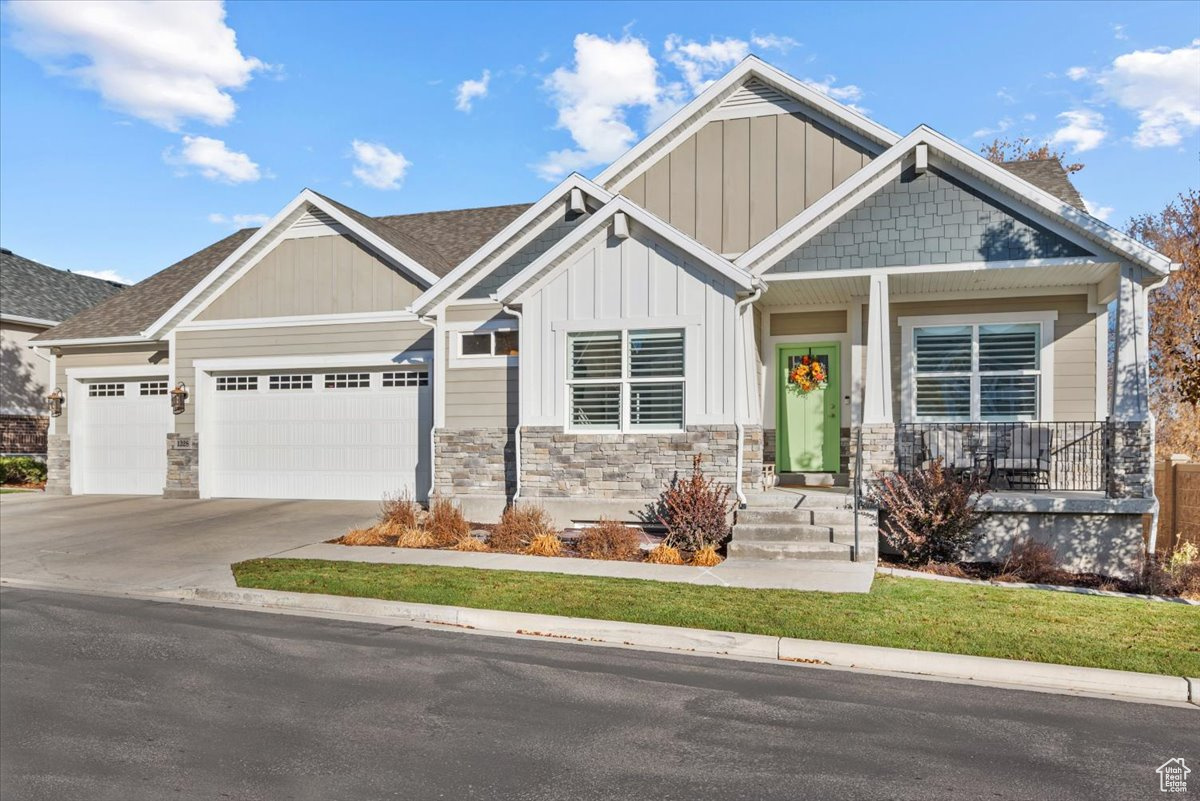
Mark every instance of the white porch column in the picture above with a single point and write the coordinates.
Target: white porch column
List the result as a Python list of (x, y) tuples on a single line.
[(1130, 374), (877, 403)]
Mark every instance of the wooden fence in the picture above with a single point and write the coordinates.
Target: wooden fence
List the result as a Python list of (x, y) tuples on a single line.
[(1177, 484)]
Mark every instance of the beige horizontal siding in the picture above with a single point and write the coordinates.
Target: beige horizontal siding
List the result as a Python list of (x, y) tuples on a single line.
[(476, 313), (481, 397), (1074, 345), (315, 275), (138, 356), (832, 321), (313, 340)]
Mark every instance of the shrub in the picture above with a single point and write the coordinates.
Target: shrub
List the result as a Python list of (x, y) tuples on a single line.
[(21, 470), (695, 510), (398, 508), (609, 539), (446, 524), (546, 544), (469, 543), (1033, 562), (664, 554), (415, 538), (1177, 574), (518, 527), (706, 557), (930, 514), (375, 535)]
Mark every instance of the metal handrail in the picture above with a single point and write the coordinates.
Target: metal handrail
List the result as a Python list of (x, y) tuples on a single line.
[(857, 484)]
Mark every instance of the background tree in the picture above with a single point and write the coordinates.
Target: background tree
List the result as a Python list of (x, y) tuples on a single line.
[(1023, 149), (1175, 324)]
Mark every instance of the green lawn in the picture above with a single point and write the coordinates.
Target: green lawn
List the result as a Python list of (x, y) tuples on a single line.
[(1092, 631)]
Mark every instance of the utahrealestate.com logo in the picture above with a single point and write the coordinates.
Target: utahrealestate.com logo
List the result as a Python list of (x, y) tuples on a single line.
[(1172, 776)]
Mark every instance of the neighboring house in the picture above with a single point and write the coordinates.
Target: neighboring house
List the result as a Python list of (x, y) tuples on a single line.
[(34, 297), (577, 352)]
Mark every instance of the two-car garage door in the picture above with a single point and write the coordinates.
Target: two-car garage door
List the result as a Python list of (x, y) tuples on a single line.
[(349, 434)]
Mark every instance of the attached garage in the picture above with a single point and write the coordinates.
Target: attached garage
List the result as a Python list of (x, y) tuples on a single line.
[(334, 433), (119, 435)]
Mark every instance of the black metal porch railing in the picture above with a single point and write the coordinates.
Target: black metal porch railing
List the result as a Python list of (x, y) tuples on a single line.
[(1033, 456)]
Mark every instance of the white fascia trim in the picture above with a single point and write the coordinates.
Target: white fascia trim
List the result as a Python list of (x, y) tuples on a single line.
[(1061, 217), (614, 175), (132, 371), (315, 361), (1044, 318), (62, 343), (297, 320), (918, 269), (16, 318), (531, 276), (432, 295)]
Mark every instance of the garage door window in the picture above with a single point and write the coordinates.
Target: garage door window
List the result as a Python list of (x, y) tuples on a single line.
[(237, 383), (406, 378), (347, 380), (281, 382), (106, 390), (152, 388)]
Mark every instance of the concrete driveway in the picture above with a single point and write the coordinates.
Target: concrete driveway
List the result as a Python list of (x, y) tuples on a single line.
[(117, 542)]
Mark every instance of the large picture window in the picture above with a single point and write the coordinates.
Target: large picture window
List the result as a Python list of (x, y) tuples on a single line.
[(978, 372), (626, 380)]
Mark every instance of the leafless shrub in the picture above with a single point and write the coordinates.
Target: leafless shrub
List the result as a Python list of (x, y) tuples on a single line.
[(1033, 562), (399, 509), (695, 510), (930, 513), (518, 527), (445, 523), (609, 539)]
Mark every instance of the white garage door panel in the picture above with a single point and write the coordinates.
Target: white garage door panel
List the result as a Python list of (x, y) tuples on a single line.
[(317, 443), (120, 443)]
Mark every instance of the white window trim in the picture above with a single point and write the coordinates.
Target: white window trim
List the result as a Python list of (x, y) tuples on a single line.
[(458, 359), (625, 382), (1045, 319)]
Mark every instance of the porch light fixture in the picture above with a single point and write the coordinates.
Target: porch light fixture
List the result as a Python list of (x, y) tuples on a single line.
[(55, 402), (178, 397)]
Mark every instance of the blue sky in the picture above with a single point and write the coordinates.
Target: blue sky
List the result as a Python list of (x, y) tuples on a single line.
[(131, 137)]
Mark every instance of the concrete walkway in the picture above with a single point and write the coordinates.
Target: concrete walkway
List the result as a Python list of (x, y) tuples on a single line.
[(753, 573)]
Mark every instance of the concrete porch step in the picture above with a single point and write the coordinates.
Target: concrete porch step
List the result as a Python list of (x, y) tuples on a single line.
[(774, 532), (803, 516), (807, 551), (814, 479), (795, 498)]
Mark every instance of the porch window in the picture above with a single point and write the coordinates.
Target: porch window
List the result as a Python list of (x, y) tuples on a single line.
[(977, 372), (626, 380)]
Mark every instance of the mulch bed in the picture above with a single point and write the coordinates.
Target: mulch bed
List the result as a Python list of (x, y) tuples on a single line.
[(994, 571)]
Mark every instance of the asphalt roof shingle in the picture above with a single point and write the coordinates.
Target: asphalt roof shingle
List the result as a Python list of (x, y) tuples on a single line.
[(32, 289), (1049, 176)]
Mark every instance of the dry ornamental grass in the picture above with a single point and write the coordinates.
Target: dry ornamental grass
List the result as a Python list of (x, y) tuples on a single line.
[(706, 557), (664, 555), (546, 544), (469, 543), (375, 535), (519, 526), (415, 538), (446, 524)]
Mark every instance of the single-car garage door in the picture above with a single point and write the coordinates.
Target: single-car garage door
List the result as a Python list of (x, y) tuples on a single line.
[(350, 434), (119, 437)]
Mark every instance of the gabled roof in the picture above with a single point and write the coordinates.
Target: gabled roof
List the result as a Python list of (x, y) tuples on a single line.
[(138, 307), (992, 179), (1049, 176), (474, 267), (522, 281), (31, 291), (750, 68)]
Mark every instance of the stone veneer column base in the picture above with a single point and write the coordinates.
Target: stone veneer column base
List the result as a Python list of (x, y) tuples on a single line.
[(183, 466), (474, 461), (879, 450), (58, 464), (1128, 472)]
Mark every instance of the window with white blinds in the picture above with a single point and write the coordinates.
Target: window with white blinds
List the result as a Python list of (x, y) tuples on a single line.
[(986, 371), (626, 380)]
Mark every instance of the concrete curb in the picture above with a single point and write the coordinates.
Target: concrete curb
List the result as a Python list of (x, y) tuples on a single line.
[(1009, 673)]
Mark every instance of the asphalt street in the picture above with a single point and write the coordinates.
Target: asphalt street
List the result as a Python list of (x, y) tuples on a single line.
[(113, 698)]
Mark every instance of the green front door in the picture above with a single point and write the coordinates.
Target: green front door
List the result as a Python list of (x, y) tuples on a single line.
[(808, 429)]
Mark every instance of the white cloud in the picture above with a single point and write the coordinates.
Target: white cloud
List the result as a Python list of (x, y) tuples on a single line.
[(1082, 130), (1077, 73), (1101, 213), (104, 275), (214, 160), (470, 90), (1006, 96), (592, 97), (771, 41), (379, 166), (162, 62), (1162, 87), (1119, 31), (1001, 126), (848, 95), (703, 64), (239, 220)]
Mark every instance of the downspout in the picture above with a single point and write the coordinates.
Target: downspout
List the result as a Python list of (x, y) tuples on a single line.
[(739, 308), (520, 416), (435, 388)]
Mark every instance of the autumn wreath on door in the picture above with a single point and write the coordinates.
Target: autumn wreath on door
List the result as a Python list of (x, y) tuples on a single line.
[(806, 375)]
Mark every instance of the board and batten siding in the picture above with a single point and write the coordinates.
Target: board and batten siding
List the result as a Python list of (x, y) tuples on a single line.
[(735, 181), (477, 397), (1074, 345), (314, 275), (638, 282), (313, 340), (135, 356)]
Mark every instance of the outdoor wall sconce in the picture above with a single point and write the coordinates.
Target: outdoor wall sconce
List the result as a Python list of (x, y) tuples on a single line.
[(178, 396), (55, 401)]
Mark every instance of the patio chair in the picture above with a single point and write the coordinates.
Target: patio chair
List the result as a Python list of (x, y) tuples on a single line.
[(950, 446), (1027, 462)]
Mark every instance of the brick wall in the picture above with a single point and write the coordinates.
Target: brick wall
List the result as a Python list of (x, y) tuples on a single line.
[(23, 434)]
